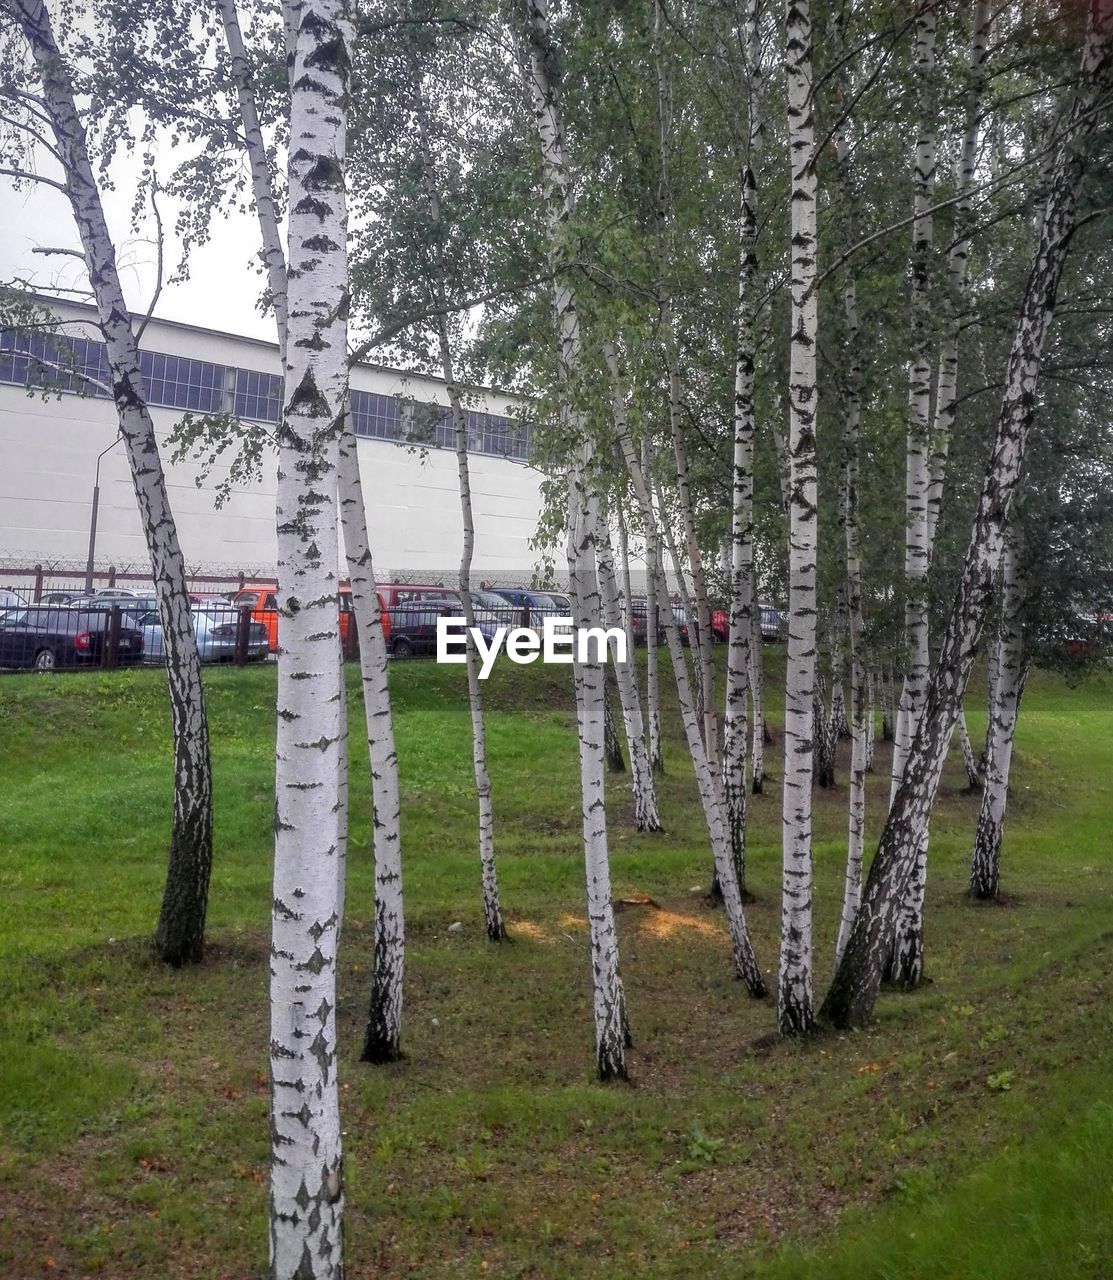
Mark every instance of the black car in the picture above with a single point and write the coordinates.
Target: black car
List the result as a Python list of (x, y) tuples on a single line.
[(413, 624), (51, 637)]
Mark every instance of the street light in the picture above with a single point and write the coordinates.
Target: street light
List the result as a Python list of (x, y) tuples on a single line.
[(93, 515)]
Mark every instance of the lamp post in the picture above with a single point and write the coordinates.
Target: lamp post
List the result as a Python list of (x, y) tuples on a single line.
[(93, 515)]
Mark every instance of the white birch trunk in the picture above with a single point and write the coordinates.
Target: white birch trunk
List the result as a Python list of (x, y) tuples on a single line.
[(611, 1028), (736, 719), (861, 703), (908, 959), (383, 1032), (342, 812), (871, 720), (958, 257), (384, 1026), (745, 962), (306, 1175), (652, 626), (854, 990), (641, 774), (794, 986), (757, 699), (700, 617), (907, 962), (985, 867), (916, 554), (492, 905), (973, 775), (180, 932)]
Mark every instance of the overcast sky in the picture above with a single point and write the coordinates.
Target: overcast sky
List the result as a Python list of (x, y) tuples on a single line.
[(223, 285)]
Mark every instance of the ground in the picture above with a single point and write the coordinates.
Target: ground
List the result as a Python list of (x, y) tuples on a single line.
[(967, 1132)]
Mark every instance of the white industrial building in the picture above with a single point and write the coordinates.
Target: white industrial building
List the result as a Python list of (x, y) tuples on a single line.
[(50, 441)]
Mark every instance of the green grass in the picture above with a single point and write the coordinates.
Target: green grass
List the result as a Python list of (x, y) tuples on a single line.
[(968, 1132)]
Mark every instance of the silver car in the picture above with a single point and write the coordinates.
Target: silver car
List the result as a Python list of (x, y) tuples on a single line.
[(215, 627)]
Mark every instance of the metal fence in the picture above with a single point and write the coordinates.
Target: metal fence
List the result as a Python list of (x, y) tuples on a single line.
[(49, 622)]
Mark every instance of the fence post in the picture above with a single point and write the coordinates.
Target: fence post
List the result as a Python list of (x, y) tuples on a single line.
[(38, 592), (243, 630), (242, 581), (111, 575), (112, 639)]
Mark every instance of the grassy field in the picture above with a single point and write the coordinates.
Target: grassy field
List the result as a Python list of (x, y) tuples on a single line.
[(967, 1133)]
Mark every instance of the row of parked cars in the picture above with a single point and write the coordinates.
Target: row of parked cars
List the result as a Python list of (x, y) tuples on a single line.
[(71, 629), (410, 611)]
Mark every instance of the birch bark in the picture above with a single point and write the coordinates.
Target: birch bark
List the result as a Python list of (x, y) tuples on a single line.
[(384, 1025), (745, 962), (908, 950), (641, 774), (908, 946), (1012, 666), (973, 774), (306, 1175), (736, 719), (854, 989), (180, 932), (383, 1032), (794, 986), (492, 905), (652, 629), (611, 1028), (757, 699)]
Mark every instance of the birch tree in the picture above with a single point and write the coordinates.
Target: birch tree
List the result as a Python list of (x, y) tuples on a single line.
[(735, 732), (907, 961), (306, 1202), (492, 905), (794, 988), (907, 965), (179, 935), (849, 499), (745, 962), (382, 1037), (854, 989), (1012, 675), (611, 1028)]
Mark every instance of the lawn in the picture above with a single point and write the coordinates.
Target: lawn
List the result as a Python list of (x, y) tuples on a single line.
[(967, 1133)]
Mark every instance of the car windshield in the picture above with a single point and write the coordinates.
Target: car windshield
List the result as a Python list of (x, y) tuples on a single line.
[(9, 617), (542, 600)]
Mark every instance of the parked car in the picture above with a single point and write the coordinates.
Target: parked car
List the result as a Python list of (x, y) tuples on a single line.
[(50, 637), (131, 606), (262, 599), (772, 622), (123, 593), (215, 627), (546, 603), (410, 611), (10, 599), (413, 621), (493, 611)]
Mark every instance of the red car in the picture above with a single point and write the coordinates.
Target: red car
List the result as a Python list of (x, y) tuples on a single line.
[(263, 600)]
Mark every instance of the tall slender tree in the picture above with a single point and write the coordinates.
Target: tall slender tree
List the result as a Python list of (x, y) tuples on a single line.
[(851, 998), (611, 1028), (180, 933), (794, 989), (306, 1204)]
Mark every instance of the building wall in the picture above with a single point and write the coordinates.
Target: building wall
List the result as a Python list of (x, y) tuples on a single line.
[(49, 446)]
